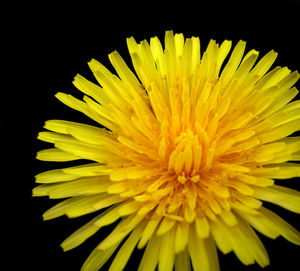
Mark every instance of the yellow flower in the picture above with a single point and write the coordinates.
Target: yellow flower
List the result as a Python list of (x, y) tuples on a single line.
[(188, 153)]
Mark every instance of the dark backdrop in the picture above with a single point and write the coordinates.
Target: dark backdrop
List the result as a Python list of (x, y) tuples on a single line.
[(46, 43)]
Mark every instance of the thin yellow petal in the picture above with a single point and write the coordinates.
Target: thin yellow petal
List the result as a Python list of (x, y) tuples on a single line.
[(55, 155), (56, 175), (284, 228), (93, 169), (148, 231), (129, 208), (271, 225), (203, 253), (282, 196), (90, 204), (181, 237), (165, 226), (79, 187), (89, 88), (87, 203), (261, 224), (233, 62), (127, 248), (88, 152), (278, 171), (228, 217), (264, 64), (98, 258), (80, 106), (202, 227), (182, 261), (223, 52), (220, 236), (121, 231), (109, 216), (166, 252), (151, 255), (254, 244), (239, 242), (83, 233), (123, 71)]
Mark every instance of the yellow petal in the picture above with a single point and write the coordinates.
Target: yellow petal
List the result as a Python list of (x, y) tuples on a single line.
[(79, 187), (279, 171), (93, 169), (77, 204), (166, 225), (228, 217), (148, 231), (151, 254), (108, 216), (56, 155), (80, 106), (260, 223), (98, 258), (239, 243), (219, 233), (212, 254), (181, 236), (254, 245), (182, 261), (123, 71), (54, 137), (129, 208), (89, 88), (264, 64), (56, 175), (121, 231), (202, 227), (282, 196), (127, 248), (233, 62), (203, 253), (91, 204), (271, 225), (89, 152), (223, 52), (79, 236), (166, 252), (285, 229)]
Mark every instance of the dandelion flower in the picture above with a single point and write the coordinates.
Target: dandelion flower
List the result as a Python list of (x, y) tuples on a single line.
[(189, 151)]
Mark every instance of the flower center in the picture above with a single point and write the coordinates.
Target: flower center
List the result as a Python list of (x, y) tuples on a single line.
[(192, 155)]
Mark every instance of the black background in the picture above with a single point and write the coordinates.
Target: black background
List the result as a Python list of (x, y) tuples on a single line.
[(46, 43)]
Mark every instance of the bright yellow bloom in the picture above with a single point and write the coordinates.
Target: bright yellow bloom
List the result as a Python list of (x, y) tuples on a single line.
[(189, 153)]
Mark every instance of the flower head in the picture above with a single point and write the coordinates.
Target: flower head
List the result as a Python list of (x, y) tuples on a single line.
[(188, 153)]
